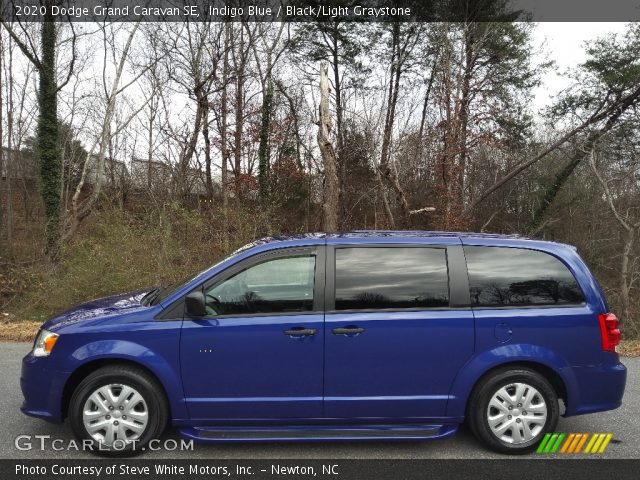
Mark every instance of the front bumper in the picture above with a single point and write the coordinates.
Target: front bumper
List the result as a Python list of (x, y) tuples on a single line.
[(596, 388), (42, 388)]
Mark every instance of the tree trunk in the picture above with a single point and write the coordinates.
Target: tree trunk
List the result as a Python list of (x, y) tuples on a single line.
[(9, 160), (465, 101), (425, 107), (388, 173), (611, 113), (263, 148), (331, 186), (552, 192), (625, 300), (5, 200), (240, 57), (239, 120), (223, 141), (207, 150), (341, 158), (48, 133), (562, 176), (3, 170)]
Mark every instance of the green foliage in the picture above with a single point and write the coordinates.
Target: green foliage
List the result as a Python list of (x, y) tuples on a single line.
[(338, 43), (611, 71)]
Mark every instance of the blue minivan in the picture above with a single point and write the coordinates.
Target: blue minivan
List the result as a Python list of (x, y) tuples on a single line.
[(351, 336)]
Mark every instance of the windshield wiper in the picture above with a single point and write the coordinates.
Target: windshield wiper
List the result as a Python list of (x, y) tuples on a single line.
[(151, 296)]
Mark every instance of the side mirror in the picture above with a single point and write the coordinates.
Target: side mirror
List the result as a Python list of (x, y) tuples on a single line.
[(194, 303)]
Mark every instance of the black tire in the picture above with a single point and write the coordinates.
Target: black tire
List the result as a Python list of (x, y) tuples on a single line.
[(477, 411), (140, 380)]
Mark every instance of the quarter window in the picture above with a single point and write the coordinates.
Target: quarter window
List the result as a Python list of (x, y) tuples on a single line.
[(279, 285), (500, 276), (391, 278)]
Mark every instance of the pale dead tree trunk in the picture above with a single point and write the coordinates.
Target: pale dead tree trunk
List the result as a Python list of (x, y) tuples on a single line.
[(80, 210), (629, 229), (331, 188)]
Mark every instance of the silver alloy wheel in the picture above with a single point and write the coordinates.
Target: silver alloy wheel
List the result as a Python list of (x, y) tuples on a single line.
[(115, 413), (517, 413)]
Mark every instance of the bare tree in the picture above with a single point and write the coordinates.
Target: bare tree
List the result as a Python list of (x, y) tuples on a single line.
[(272, 49), (402, 41), (80, 209), (629, 226)]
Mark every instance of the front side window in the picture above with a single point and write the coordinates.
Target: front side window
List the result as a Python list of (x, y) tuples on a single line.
[(280, 285), (501, 276), (391, 278)]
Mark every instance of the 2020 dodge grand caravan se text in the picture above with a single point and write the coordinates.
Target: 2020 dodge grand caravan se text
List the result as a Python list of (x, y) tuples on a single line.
[(363, 335)]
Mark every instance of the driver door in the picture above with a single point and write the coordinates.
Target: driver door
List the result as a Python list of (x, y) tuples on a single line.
[(258, 354)]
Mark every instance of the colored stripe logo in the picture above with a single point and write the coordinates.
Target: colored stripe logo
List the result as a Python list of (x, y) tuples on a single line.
[(574, 443)]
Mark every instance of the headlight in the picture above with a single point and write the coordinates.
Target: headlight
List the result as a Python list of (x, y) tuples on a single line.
[(44, 343)]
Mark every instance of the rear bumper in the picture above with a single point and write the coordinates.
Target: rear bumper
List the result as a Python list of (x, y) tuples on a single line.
[(42, 388), (595, 389)]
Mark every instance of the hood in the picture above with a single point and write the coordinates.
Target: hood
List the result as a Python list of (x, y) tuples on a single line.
[(100, 308)]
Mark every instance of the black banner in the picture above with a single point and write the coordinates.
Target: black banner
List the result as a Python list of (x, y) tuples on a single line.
[(507, 469), (319, 10)]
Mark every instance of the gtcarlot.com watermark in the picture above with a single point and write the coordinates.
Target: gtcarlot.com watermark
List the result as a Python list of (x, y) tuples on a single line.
[(46, 442)]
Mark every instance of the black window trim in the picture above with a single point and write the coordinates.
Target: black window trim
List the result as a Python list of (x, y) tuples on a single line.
[(527, 307), (176, 310), (459, 296)]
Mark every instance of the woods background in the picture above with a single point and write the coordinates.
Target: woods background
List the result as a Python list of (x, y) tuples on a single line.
[(134, 154)]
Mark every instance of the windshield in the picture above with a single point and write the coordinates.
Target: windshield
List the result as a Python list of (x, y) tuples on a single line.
[(158, 294)]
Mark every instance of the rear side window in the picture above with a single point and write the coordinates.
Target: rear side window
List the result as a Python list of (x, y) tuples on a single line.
[(500, 276), (391, 278)]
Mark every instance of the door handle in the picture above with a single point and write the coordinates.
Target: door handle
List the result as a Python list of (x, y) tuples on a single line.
[(347, 331), (300, 332)]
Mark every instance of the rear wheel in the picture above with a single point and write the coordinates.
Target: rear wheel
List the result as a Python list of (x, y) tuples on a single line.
[(512, 409), (118, 410)]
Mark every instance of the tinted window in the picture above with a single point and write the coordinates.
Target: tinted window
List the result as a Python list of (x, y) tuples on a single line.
[(374, 278), (513, 276), (274, 286)]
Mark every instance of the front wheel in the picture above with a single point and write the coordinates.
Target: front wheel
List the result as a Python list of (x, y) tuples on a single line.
[(512, 409), (118, 410)]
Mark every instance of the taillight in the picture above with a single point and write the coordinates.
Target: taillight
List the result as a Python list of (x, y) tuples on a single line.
[(609, 331)]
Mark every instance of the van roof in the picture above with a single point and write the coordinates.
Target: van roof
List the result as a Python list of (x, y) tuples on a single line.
[(406, 235), (424, 233)]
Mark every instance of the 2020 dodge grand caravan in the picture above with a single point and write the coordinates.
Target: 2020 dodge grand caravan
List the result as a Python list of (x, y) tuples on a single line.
[(363, 335)]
